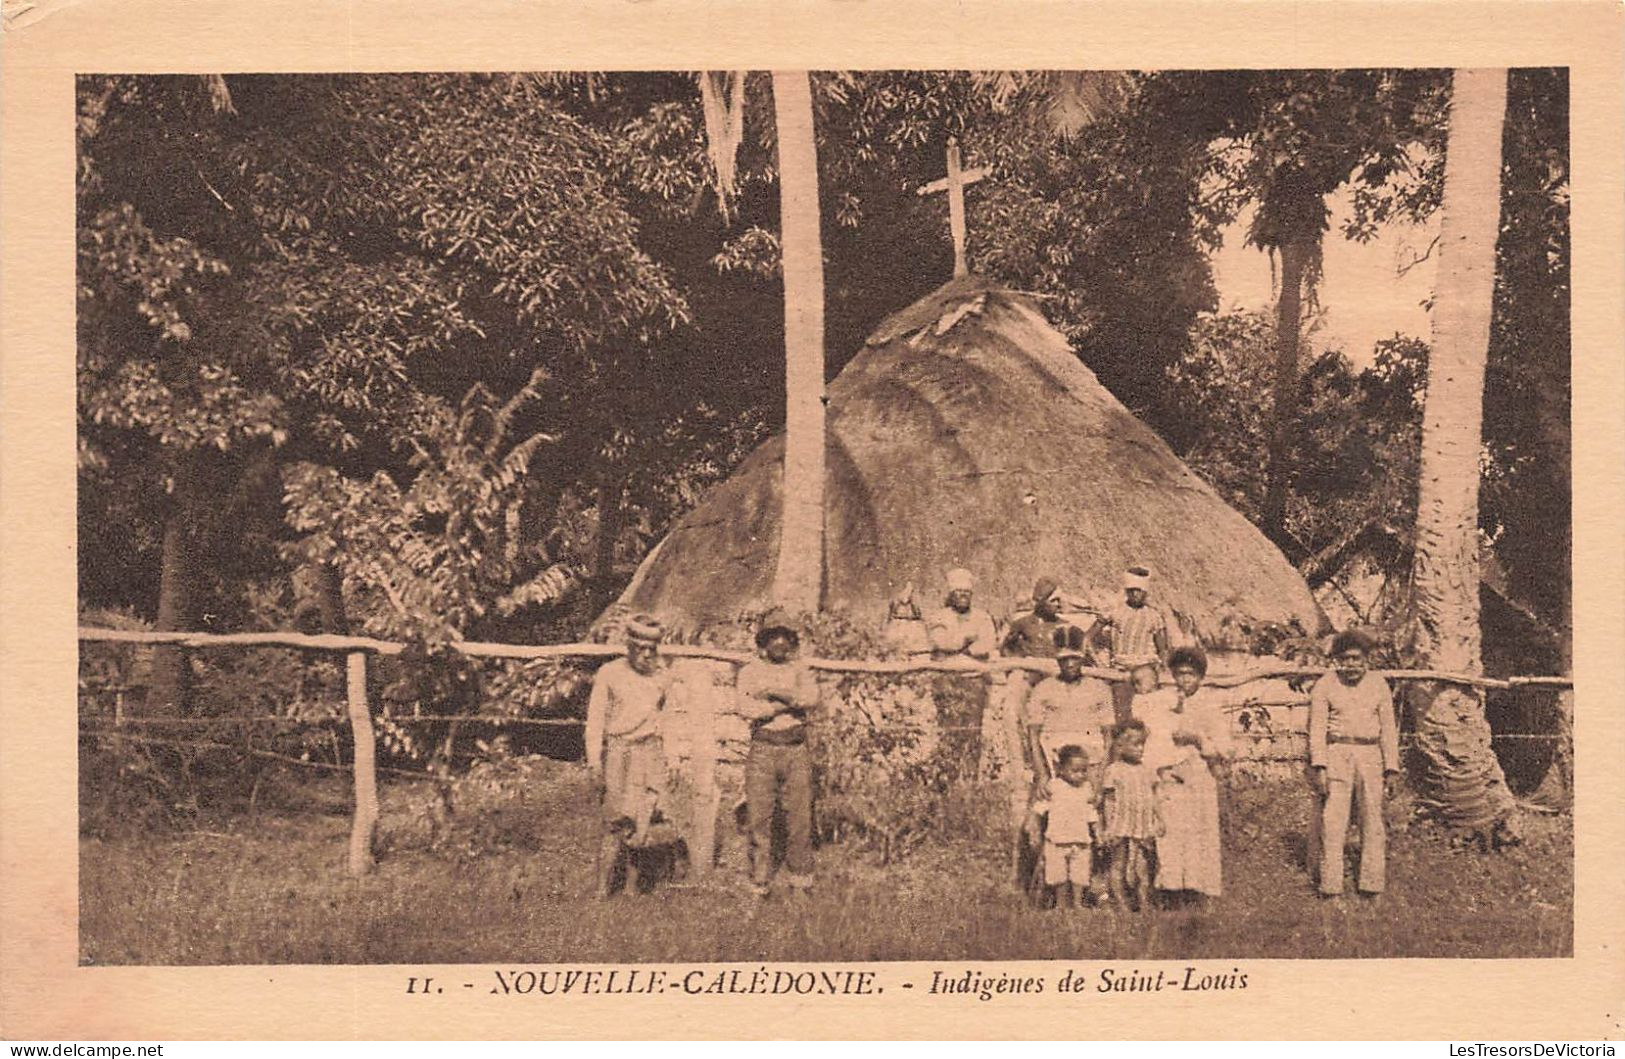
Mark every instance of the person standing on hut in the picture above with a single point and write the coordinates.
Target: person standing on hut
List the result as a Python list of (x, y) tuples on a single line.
[(1187, 744), (1137, 634), (957, 628), (1353, 760), (1033, 635), (1030, 636), (776, 693), (624, 753)]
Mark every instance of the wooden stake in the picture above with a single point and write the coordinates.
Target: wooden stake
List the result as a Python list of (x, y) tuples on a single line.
[(364, 828)]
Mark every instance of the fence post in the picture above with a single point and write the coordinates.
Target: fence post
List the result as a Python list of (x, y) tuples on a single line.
[(364, 828)]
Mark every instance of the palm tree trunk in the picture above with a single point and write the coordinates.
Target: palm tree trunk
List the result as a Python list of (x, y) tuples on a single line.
[(1464, 781), (1295, 254), (798, 580)]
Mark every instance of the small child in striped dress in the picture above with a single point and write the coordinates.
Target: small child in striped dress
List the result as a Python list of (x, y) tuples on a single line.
[(1131, 825)]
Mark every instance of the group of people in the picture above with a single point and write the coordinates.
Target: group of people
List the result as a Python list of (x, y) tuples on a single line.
[(774, 693), (1119, 773)]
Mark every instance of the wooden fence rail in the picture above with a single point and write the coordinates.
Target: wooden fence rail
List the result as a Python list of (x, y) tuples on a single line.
[(479, 649), (364, 826)]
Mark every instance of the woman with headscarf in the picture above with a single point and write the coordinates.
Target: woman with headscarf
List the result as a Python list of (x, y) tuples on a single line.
[(1187, 742)]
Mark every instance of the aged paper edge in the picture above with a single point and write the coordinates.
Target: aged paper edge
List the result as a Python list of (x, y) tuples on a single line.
[(45, 994)]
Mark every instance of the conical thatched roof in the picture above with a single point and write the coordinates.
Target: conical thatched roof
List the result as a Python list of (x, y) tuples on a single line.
[(966, 433)]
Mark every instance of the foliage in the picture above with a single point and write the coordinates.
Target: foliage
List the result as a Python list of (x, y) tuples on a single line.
[(335, 258), (315, 272), (1354, 469), (501, 802), (250, 707), (884, 769), (432, 560), (1527, 497)]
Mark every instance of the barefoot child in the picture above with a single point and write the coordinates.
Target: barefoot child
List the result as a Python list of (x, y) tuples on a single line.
[(1069, 835), (1130, 824)]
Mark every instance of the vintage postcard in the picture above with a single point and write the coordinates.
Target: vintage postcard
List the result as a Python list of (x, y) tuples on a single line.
[(669, 519)]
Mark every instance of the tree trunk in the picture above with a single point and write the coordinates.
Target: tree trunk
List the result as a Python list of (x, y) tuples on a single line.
[(330, 599), (1464, 781), (1295, 255), (610, 520), (169, 690), (798, 580), (1556, 788)]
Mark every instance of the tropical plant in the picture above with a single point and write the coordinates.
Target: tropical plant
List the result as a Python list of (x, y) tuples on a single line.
[(333, 260)]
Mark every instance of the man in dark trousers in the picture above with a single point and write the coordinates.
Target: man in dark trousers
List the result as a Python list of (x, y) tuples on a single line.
[(776, 692)]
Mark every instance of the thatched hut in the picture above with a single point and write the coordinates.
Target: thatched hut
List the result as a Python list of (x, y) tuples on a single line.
[(966, 433)]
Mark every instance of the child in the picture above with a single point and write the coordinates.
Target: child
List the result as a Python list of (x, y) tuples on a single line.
[(1069, 835), (1131, 824)]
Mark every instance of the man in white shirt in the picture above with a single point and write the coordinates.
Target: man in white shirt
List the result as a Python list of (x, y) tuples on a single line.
[(624, 753)]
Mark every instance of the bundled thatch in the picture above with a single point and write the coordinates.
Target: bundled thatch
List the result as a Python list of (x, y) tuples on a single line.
[(966, 433)]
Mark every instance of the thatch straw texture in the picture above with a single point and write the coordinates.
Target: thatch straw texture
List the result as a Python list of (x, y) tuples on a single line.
[(966, 433)]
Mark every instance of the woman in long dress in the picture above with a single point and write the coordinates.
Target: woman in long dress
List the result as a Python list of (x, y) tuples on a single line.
[(1187, 739)]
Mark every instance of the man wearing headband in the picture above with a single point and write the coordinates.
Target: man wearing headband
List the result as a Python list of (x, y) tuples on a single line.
[(957, 628), (1031, 636), (624, 752), (1137, 634)]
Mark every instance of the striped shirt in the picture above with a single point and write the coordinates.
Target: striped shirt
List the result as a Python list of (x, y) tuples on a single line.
[(1134, 634)]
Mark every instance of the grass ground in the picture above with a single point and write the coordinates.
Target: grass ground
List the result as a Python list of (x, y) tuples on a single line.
[(270, 888)]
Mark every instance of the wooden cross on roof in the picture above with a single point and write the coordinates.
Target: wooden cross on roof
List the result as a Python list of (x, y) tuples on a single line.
[(954, 184)]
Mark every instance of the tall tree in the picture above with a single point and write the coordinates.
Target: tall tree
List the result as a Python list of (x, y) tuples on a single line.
[(1291, 221), (799, 574), (798, 577), (1283, 141), (1463, 779)]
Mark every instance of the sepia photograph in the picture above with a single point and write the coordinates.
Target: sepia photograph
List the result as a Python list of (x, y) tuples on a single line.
[(833, 515)]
